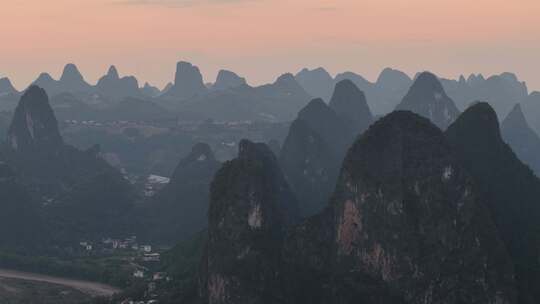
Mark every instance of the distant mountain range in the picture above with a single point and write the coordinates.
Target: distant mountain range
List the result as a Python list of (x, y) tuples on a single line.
[(501, 91)]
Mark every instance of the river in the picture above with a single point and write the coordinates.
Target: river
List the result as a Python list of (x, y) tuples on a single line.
[(90, 288)]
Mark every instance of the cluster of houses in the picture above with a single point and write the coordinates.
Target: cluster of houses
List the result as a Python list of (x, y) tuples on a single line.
[(144, 253), (153, 280), (84, 122), (154, 183), (139, 302)]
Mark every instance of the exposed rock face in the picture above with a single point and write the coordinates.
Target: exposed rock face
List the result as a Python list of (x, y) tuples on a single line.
[(250, 207), (188, 82), (181, 207), (406, 213), (522, 139), (227, 79), (427, 98), (406, 224), (34, 126), (350, 103), (510, 190), (312, 153), (112, 86)]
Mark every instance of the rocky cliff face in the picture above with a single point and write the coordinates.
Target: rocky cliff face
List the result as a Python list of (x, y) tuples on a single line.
[(34, 126), (406, 224), (407, 213), (522, 139), (509, 188), (250, 207), (427, 98)]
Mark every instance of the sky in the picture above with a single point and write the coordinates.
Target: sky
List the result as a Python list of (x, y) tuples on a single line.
[(261, 39)]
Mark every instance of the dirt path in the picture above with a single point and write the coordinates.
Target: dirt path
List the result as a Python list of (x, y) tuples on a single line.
[(89, 288)]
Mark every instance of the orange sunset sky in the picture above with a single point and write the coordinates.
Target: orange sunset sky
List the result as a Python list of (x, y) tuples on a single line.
[(260, 39)]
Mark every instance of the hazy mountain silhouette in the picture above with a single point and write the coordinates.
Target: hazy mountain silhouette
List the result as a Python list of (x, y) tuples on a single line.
[(278, 101), (382, 96), (427, 98), (350, 103), (188, 82), (180, 209), (522, 139), (393, 80), (531, 110), (149, 90), (227, 80), (116, 88), (318, 82), (46, 82), (6, 87), (8, 95), (315, 146), (502, 91), (71, 81)]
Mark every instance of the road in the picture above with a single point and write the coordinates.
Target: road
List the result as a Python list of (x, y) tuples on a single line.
[(90, 288)]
